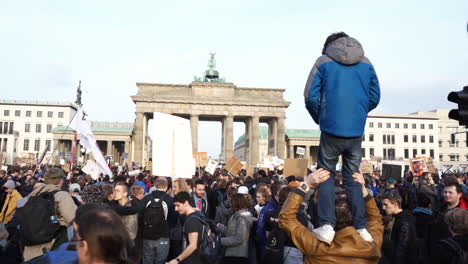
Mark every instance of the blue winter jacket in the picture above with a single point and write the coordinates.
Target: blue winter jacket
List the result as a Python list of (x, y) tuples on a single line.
[(342, 88)]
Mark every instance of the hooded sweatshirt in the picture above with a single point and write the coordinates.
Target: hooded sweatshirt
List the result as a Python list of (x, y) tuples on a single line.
[(342, 89)]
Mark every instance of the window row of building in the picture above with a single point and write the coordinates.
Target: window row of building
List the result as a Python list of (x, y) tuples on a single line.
[(390, 139), (7, 127), (397, 125), (28, 113), (389, 153), (37, 144)]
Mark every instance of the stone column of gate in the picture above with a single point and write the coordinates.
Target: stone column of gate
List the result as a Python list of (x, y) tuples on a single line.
[(138, 140), (291, 150), (228, 137), (247, 141), (109, 148), (281, 138), (145, 156), (194, 128), (255, 146), (127, 150), (307, 154), (272, 130)]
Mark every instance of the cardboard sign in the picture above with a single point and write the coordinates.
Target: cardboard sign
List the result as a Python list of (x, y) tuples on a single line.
[(430, 165), (92, 168), (392, 169), (418, 166), (366, 167), (296, 167), (201, 159), (5, 168), (211, 166), (233, 166), (66, 167), (300, 151)]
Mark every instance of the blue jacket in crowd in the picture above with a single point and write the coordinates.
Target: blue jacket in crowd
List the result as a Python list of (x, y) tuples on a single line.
[(342, 88)]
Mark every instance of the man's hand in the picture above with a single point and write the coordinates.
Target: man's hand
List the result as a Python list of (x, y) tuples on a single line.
[(174, 261), (360, 179), (317, 177)]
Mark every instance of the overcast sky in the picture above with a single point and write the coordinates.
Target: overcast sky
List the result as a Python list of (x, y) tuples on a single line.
[(419, 50)]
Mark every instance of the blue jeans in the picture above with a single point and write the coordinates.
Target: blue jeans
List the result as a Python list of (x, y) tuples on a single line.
[(331, 147), (155, 251), (292, 255)]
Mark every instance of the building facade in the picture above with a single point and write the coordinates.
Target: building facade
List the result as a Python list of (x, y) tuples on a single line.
[(400, 137), (25, 126), (308, 139), (452, 142)]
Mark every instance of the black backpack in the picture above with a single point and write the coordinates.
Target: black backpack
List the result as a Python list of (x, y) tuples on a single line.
[(209, 247), (274, 246), (155, 219), (38, 220)]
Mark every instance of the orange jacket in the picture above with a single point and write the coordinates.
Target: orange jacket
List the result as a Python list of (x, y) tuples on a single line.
[(9, 207), (347, 246)]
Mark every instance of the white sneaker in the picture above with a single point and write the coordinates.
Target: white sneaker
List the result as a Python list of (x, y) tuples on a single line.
[(365, 235), (325, 233)]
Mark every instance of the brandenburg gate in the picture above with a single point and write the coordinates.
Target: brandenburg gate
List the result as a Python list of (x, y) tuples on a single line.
[(212, 99)]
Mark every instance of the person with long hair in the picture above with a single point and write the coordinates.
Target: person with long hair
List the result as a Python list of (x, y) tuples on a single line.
[(101, 237), (236, 235)]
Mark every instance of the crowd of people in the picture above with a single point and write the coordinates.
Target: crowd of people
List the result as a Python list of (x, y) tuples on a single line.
[(267, 218), (324, 216)]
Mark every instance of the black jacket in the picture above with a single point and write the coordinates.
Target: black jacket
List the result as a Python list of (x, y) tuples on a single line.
[(204, 209), (445, 253), (403, 237)]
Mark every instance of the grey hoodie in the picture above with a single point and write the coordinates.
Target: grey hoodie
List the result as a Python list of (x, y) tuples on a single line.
[(236, 237), (347, 51)]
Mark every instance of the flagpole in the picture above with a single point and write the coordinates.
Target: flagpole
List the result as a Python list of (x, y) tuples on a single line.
[(56, 146)]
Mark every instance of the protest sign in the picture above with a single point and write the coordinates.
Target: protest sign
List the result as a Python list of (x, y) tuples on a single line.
[(430, 165), (233, 166), (134, 172), (296, 167), (92, 168), (62, 161), (201, 158), (5, 168), (418, 165), (300, 151), (366, 167), (211, 166), (392, 169), (172, 146)]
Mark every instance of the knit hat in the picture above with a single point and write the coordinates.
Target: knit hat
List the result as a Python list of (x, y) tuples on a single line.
[(54, 173), (10, 185), (92, 194), (391, 180)]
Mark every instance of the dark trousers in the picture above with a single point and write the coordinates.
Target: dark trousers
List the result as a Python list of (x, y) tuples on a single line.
[(331, 147)]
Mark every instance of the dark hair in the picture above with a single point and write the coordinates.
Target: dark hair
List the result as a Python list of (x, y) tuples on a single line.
[(239, 202), (106, 190), (452, 181), (409, 178), (262, 173), (182, 197), (457, 221), (344, 217), (423, 200), (105, 233), (283, 195), (231, 191), (275, 188), (141, 177), (197, 182), (393, 197), (332, 38)]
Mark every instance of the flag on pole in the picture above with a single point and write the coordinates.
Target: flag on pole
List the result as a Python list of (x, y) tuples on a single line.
[(88, 141)]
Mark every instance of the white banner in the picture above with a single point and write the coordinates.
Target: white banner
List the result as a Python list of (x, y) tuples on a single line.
[(300, 151), (211, 166), (92, 168), (88, 141), (172, 147)]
